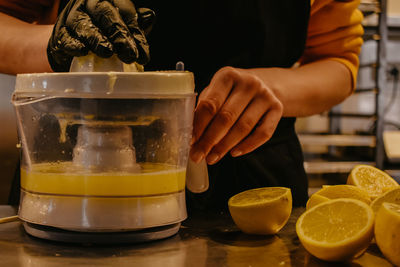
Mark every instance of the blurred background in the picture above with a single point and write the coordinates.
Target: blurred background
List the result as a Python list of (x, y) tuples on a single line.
[(365, 128)]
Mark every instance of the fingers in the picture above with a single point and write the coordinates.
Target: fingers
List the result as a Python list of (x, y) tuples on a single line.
[(70, 45), (63, 48), (130, 17), (212, 99), (146, 19), (223, 121), (236, 113), (262, 133), (255, 112), (83, 28), (104, 27), (143, 52), (108, 19)]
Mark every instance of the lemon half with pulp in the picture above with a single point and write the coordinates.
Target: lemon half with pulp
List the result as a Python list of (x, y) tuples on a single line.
[(336, 230), (371, 179), (262, 210)]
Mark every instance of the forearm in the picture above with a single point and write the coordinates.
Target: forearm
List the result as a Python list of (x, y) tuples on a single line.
[(23, 46), (309, 89)]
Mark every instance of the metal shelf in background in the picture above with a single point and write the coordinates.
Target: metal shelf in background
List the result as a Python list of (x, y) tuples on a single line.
[(337, 140), (365, 90), (377, 29), (395, 174), (323, 167), (370, 32), (381, 83), (354, 115), (343, 167), (369, 7)]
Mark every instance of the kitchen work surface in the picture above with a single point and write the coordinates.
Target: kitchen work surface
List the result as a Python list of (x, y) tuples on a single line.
[(208, 240)]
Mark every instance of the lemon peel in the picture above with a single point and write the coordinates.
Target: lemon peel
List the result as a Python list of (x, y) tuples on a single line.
[(262, 210)]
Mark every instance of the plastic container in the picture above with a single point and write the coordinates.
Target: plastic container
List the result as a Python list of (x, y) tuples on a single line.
[(104, 151)]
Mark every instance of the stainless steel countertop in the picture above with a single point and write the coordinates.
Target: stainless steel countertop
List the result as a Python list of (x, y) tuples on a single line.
[(211, 240)]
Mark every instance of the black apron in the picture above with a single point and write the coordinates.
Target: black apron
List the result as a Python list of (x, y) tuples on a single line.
[(207, 35)]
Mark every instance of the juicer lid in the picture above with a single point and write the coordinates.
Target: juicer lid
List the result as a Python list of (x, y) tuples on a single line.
[(106, 84)]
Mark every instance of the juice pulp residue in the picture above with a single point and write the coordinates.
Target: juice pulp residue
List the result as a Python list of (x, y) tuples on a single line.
[(63, 130)]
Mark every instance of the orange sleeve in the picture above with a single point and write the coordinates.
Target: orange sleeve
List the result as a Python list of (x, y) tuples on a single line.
[(335, 33)]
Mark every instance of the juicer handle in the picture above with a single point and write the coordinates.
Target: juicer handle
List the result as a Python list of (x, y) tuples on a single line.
[(197, 176)]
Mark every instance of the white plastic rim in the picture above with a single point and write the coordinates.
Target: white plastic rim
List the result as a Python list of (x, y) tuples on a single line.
[(105, 84)]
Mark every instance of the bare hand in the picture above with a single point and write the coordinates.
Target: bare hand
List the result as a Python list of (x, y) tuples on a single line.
[(236, 112)]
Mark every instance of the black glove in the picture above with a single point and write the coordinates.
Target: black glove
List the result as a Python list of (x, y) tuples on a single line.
[(102, 26)]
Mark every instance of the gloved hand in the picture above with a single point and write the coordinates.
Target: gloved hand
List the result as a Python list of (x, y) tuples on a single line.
[(103, 27)]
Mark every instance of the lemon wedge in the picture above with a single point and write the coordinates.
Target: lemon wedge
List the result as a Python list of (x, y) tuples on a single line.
[(261, 211), (336, 230), (387, 231), (371, 179)]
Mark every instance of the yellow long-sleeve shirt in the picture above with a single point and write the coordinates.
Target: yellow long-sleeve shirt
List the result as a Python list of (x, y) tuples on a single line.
[(335, 33)]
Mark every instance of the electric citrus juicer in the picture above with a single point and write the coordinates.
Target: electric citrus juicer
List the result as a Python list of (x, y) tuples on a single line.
[(104, 153)]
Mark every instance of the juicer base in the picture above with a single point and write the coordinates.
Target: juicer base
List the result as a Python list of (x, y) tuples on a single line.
[(60, 235)]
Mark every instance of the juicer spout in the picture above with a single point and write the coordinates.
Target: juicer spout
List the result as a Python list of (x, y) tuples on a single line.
[(197, 180)]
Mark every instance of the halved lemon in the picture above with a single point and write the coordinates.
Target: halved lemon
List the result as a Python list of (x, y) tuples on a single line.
[(387, 231), (392, 196), (336, 230), (338, 191), (315, 199), (262, 210), (371, 179)]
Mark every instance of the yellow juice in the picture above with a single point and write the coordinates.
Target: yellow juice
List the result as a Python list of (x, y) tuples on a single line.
[(63, 179)]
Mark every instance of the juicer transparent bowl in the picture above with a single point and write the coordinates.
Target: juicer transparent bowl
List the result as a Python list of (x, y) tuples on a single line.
[(104, 151)]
